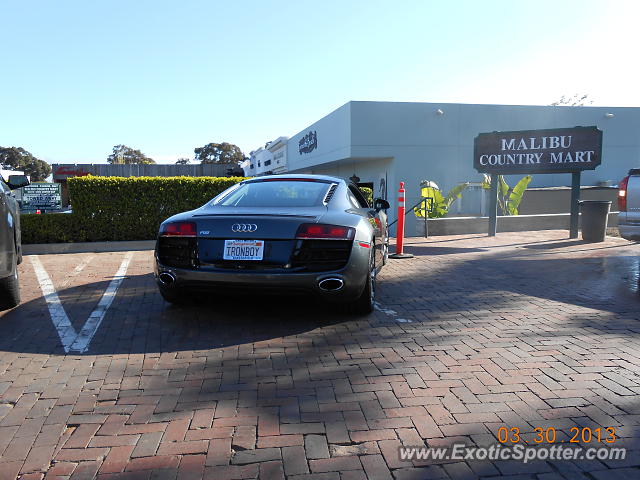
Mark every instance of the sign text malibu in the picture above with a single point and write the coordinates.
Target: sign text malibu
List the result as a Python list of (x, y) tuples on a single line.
[(538, 151)]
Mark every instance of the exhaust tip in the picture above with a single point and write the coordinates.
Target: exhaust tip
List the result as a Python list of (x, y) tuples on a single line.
[(330, 284), (166, 278)]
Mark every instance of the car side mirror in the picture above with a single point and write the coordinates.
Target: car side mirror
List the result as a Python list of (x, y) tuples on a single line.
[(381, 204), (17, 181)]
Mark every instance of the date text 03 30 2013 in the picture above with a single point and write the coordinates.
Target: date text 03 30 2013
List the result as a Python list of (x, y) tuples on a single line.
[(550, 435)]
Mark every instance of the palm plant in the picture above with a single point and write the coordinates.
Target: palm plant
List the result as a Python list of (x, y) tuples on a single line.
[(439, 204), (508, 198)]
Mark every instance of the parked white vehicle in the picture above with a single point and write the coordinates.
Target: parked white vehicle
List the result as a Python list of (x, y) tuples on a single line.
[(629, 205), (6, 173)]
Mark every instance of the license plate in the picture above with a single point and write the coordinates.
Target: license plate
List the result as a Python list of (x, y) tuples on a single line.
[(243, 250)]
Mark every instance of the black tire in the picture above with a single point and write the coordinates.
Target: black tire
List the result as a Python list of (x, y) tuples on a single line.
[(173, 295), (10, 288), (364, 304)]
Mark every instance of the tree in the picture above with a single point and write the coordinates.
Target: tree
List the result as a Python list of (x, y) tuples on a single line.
[(124, 154), (183, 161), (17, 158), (575, 100), (220, 153)]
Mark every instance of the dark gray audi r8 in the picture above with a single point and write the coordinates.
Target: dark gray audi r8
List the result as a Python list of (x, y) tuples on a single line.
[(279, 233)]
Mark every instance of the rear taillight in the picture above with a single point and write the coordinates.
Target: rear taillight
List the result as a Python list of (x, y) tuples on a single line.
[(622, 195), (319, 231), (179, 229)]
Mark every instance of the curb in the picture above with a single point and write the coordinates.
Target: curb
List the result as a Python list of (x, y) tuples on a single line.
[(82, 247)]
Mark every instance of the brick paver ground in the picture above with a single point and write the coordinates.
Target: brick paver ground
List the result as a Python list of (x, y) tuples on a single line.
[(526, 330)]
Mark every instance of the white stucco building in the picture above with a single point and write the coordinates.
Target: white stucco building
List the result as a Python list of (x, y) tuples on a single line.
[(267, 160), (384, 143)]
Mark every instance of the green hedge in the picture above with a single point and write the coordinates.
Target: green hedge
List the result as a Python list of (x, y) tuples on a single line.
[(133, 208), (52, 228), (118, 208)]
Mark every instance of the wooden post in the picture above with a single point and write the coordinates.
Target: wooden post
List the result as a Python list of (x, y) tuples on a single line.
[(493, 205), (575, 205)]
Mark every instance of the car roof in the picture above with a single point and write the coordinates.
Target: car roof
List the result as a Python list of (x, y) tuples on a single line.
[(325, 178)]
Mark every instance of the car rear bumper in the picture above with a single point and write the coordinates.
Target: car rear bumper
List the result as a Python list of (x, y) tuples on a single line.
[(629, 231), (353, 276)]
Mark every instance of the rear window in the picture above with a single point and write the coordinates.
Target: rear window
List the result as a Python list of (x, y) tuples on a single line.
[(279, 193)]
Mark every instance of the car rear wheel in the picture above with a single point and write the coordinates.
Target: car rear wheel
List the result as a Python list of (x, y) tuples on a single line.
[(10, 288), (364, 304)]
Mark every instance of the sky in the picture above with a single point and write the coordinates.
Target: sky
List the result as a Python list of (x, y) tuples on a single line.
[(79, 77)]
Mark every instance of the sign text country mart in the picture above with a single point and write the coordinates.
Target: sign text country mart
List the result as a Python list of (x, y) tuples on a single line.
[(538, 151)]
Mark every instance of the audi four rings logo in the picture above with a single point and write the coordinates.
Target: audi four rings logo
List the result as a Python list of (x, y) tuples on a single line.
[(244, 227)]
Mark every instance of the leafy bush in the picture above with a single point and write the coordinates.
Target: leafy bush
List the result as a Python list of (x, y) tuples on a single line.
[(52, 228), (119, 208), (368, 194), (508, 198), (438, 205)]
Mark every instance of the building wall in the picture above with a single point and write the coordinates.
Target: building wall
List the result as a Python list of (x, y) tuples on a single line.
[(440, 147), (279, 160), (334, 141), (261, 160), (270, 159), (558, 200), (411, 142)]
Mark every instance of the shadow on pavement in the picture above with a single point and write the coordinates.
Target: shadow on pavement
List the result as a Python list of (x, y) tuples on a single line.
[(139, 321), (552, 245), (493, 282)]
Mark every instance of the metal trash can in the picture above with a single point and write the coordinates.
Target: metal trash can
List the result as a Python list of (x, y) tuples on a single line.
[(595, 214)]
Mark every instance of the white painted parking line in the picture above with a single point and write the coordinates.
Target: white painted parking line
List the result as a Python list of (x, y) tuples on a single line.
[(71, 340), (77, 270), (391, 313), (59, 317)]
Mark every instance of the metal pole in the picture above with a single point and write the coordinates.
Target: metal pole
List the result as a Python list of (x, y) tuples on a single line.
[(575, 204), (426, 225), (493, 205)]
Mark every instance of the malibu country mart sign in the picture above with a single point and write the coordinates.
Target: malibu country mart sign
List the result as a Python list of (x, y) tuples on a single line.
[(538, 151)]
